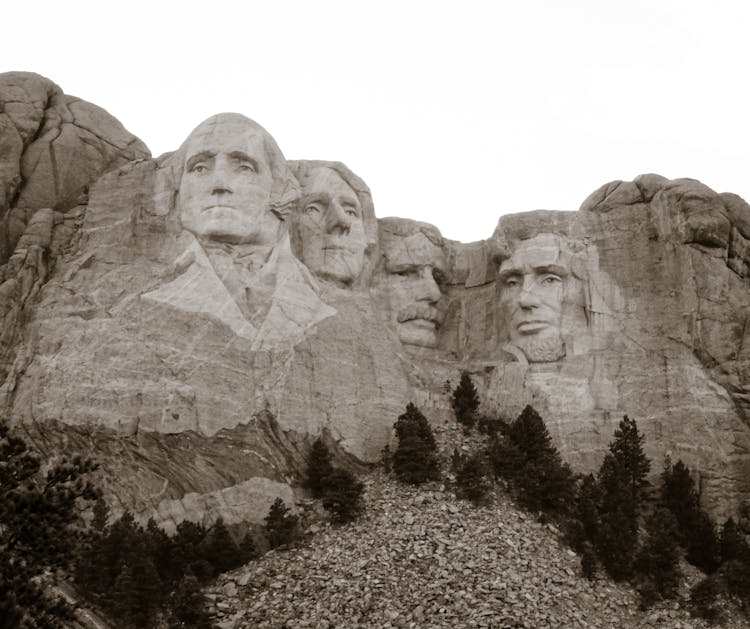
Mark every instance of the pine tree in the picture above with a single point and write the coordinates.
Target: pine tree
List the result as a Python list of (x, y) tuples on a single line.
[(318, 468), (617, 531), (679, 495), (101, 515), (471, 479), (732, 544), (586, 506), (414, 460), (248, 549), (588, 563), (188, 606), (627, 448), (124, 597), (465, 401), (530, 435), (38, 527), (658, 558), (413, 423), (220, 549), (697, 532), (342, 496), (280, 524)]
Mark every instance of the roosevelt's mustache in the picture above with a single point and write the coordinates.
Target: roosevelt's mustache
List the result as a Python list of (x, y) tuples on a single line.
[(420, 311)]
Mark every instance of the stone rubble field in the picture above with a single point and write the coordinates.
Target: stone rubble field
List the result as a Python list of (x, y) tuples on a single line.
[(419, 557)]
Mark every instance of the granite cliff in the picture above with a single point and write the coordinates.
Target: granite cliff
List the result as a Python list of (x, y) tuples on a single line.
[(196, 320)]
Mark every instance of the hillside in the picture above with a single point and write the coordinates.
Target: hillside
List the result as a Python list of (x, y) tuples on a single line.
[(419, 557)]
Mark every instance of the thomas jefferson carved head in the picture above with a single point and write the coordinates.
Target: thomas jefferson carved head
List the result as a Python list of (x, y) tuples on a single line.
[(413, 267), (234, 186), (330, 228)]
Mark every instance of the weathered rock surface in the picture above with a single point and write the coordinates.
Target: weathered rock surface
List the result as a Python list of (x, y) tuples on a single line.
[(52, 146), (152, 323)]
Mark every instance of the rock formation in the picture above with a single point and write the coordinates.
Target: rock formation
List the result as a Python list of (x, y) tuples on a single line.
[(197, 320)]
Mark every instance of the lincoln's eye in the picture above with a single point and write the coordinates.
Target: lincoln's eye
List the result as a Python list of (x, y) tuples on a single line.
[(512, 282), (551, 279), (247, 168)]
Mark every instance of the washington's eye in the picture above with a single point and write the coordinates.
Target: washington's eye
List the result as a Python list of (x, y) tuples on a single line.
[(199, 168), (406, 273), (247, 168), (350, 211)]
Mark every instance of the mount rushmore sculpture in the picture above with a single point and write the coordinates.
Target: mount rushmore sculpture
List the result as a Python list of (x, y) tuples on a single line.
[(196, 320)]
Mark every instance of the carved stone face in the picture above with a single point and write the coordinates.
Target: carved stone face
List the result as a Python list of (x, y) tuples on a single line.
[(415, 267), (532, 289), (226, 182), (331, 227)]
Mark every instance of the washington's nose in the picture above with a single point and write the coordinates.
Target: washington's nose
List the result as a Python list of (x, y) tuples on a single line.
[(220, 181), (337, 220), (428, 290)]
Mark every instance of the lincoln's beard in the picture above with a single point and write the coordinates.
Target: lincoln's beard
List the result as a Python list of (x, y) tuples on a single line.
[(541, 348)]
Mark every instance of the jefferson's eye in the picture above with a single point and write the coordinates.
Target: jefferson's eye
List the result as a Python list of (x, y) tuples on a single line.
[(438, 276), (351, 211), (247, 168), (406, 273), (312, 209)]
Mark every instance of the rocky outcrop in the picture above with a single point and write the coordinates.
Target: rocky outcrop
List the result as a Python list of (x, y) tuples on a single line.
[(52, 146), (198, 319)]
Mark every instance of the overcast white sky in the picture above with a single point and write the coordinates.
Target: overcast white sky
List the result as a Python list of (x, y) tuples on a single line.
[(453, 113)]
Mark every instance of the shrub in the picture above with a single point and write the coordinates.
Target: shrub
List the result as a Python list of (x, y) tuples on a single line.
[(280, 524), (465, 402), (342, 495), (413, 423)]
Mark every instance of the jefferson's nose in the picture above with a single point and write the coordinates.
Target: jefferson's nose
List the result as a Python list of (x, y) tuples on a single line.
[(337, 220)]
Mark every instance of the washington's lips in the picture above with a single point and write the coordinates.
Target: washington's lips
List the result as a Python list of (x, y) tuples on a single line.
[(532, 326)]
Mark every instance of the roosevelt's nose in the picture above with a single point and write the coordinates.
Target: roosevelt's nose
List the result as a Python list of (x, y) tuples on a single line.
[(427, 288), (337, 220)]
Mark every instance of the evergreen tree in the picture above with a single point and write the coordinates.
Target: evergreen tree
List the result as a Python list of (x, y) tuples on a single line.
[(586, 506), (124, 597), (530, 435), (342, 496), (318, 468), (471, 479), (627, 448), (101, 515), (658, 558), (280, 524), (414, 460), (465, 401), (703, 597), (220, 549), (617, 531), (38, 527), (703, 543), (732, 544), (588, 563), (413, 423), (506, 458), (188, 606), (547, 484), (697, 532), (679, 495), (248, 549)]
